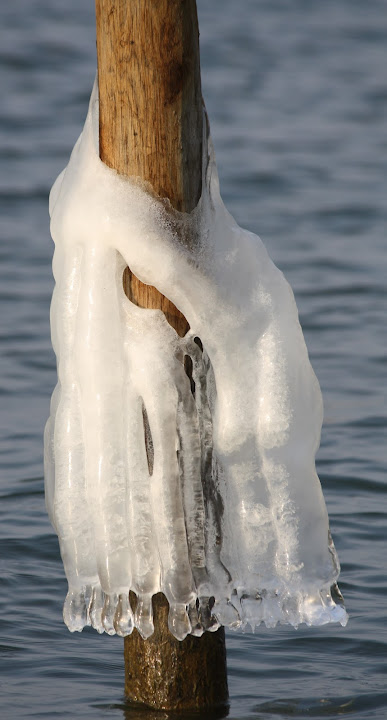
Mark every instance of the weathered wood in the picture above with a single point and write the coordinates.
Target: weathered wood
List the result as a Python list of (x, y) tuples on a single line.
[(151, 128), (167, 674), (150, 94), (151, 107)]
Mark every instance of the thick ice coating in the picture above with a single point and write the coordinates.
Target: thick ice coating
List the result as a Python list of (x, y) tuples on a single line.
[(220, 507)]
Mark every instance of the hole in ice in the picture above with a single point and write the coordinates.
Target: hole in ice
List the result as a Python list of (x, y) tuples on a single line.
[(150, 452), (147, 296), (188, 367)]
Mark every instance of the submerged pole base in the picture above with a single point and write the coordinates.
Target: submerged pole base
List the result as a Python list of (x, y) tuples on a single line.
[(167, 674)]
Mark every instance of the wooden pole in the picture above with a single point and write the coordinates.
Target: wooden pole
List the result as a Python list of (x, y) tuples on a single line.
[(150, 126)]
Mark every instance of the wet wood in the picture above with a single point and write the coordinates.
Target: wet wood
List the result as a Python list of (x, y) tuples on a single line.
[(167, 674), (151, 128)]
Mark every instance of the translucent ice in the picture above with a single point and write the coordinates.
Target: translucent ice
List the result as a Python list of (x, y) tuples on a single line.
[(220, 507)]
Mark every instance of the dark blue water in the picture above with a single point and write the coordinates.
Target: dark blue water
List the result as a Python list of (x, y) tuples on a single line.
[(296, 93)]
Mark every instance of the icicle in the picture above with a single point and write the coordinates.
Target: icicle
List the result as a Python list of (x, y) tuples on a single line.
[(140, 520), (197, 628), (123, 617), (218, 578), (189, 455), (66, 494), (99, 348), (143, 615), (178, 620), (96, 607), (176, 574), (109, 611), (75, 610)]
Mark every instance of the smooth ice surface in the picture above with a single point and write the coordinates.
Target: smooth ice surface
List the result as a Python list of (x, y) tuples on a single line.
[(228, 520)]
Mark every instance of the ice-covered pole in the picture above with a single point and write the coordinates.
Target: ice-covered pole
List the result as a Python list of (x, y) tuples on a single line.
[(151, 127)]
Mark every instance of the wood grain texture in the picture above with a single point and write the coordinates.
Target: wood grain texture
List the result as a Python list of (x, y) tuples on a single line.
[(151, 128)]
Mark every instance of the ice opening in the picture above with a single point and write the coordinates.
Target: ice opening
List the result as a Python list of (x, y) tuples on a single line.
[(201, 485)]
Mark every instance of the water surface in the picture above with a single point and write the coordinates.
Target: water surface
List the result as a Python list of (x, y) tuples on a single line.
[(297, 100)]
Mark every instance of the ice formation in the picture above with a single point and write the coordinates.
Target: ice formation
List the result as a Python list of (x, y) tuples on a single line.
[(227, 516)]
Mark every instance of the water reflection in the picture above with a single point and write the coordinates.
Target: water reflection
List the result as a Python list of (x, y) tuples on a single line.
[(136, 712), (311, 708)]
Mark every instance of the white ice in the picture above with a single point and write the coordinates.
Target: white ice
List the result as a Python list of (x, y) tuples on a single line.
[(227, 517)]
